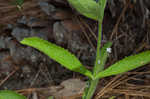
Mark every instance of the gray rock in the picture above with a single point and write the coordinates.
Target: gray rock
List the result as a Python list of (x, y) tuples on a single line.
[(20, 33), (59, 33), (42, 33), (46, 7), (2, 42), (23, 20)]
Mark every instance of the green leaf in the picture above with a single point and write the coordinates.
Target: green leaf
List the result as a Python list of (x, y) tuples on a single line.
[(126, 64), (7, 94), (88, 8), (58, 54)]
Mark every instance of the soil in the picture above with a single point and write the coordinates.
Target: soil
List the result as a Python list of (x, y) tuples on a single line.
[(35, 75)]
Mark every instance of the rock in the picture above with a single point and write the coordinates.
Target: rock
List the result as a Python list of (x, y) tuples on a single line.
[(33, 22), (22, 20), (39, 33), (71, 87), (20, 32), (46, 7), (33, 27), (60, 34), (29, 54), (19, 53), (2, 42)]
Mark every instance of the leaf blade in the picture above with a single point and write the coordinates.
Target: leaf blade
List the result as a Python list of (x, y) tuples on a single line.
[(58, 54), (88, 8), (7, 94), (126, 64)]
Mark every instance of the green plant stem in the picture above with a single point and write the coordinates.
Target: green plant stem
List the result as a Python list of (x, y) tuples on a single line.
[(97, 68), (98, 65), (91, 89)]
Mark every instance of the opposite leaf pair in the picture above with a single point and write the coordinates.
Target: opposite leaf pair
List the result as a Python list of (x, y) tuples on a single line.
[(69, 61)]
